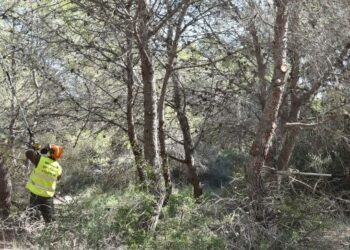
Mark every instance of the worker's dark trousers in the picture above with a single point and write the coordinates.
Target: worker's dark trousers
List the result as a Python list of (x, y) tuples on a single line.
[(38, 204)]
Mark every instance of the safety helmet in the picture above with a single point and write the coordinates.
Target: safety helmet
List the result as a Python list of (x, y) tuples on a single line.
[(57, 151)]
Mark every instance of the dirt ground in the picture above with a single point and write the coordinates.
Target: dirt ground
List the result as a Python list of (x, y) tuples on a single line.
[(336, 238)]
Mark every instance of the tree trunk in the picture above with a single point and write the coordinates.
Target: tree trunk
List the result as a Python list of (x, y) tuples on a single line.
[(261, 144), (187, 139), (164, 157), (162, 136), (14, 114), (267, 124), (135, 146), (172, 45), (290, 137), (151, 149), (260, 65), (150, 136), (5, 191)]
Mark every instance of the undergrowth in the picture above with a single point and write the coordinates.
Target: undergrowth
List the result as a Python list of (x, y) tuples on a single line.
[(119, 218), (97, 219)]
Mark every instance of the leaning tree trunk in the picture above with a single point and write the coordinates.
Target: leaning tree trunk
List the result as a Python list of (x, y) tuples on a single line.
[(267, 124), (5, 191), (187, 139)]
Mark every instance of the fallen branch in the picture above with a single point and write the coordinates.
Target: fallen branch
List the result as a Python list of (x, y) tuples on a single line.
[(291, 172), (303, 125)]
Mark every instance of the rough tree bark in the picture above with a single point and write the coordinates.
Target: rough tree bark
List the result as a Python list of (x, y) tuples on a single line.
[(12, 136), (267, 124), (129, 68), (180, 107), (290, 137), (291, 134), (162, 133), (172, 40), (261, 66), (5, 191), (151, 149), (135, 146), (14, 109), (150, 136)]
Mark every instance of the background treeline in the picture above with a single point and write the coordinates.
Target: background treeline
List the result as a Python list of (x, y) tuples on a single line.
[(176, 116)]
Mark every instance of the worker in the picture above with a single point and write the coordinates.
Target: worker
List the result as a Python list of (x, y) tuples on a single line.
[(43, 179)]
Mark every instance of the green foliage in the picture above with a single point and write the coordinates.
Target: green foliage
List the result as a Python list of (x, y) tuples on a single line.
[(184, 225), (93, 162), (99, 220), (299, 218), (221, 170)]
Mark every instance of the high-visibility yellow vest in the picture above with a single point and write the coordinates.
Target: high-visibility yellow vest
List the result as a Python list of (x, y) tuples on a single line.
[(42, 180)]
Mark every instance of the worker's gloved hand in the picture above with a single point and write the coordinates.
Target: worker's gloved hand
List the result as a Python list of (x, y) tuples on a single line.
[(36, 146), (45, 149)]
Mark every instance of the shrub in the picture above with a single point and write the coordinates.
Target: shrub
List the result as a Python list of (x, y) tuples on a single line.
[(221, 170)]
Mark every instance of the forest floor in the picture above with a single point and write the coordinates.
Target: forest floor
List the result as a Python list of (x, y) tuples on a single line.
[(336, 237), (10, 231), (19, 235), (7, 239), (5, 245)]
